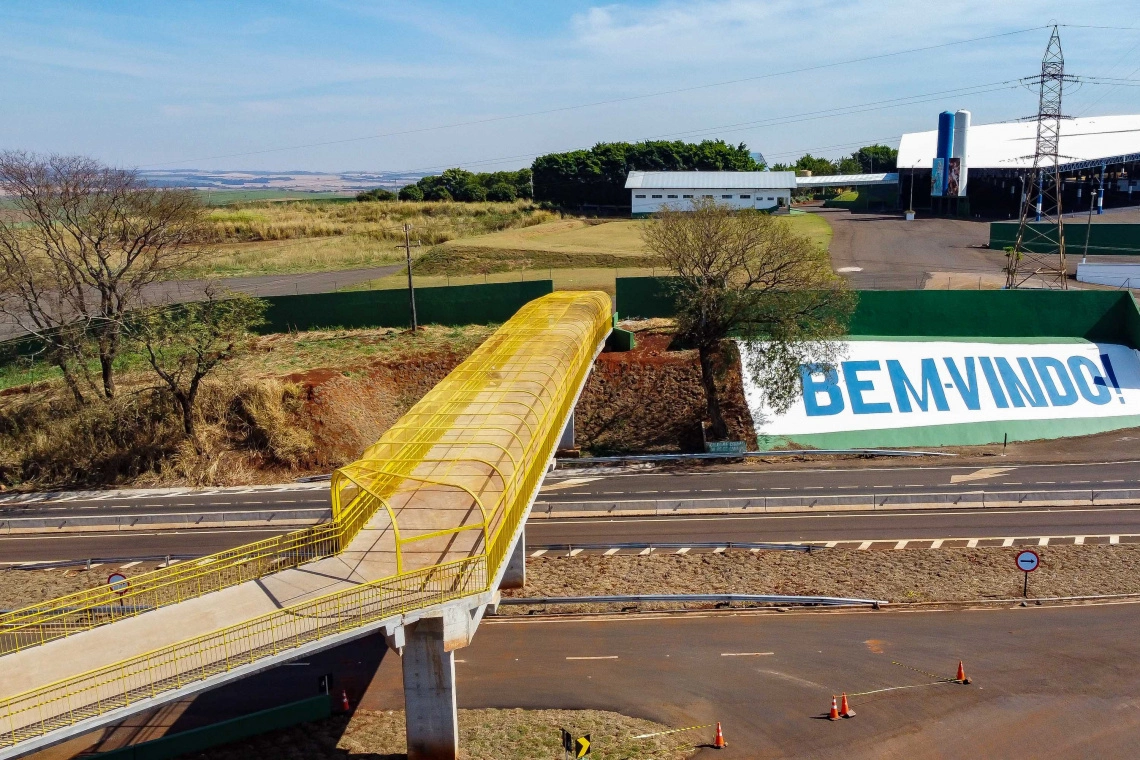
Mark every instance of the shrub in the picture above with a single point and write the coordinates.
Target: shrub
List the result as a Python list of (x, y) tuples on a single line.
[(376, 194), (501, 192), (411, 193)]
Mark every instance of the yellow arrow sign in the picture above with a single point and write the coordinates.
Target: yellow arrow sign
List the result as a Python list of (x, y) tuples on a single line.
[(583, 746)]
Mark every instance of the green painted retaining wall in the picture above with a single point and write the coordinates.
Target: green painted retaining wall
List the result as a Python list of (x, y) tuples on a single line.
[(1102, 315), (454, 305), (198, 739), (1109, 239)]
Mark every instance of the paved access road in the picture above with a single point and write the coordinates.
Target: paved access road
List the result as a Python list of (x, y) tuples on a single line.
[(1047, 682)]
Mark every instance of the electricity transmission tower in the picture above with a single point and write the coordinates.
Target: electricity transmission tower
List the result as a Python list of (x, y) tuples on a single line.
[(1038, 255)]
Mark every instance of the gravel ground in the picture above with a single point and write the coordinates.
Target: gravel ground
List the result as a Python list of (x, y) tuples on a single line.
[(19, 587), (906, 575), (483, 735)]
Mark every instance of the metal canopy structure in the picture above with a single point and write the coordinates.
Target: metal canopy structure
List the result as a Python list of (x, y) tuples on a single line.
[(422, 525)]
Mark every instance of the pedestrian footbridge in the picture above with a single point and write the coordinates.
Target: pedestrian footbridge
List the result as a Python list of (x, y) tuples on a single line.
[(426, 525)]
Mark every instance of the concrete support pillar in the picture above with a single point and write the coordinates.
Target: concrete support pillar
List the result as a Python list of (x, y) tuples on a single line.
[(429, 693), (567, 439), (515, 574)]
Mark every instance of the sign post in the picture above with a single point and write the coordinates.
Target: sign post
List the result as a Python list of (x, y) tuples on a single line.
[(1027, 562)]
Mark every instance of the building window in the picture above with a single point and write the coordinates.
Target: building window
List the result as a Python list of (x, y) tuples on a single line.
[(686, 196), (672, 196), (657, 196), (706, 196), (726, 196), (639, 196), (745, 196), (771, 199)]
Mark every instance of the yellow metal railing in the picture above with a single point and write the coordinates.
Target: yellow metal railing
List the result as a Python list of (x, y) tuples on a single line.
[(480, 441)]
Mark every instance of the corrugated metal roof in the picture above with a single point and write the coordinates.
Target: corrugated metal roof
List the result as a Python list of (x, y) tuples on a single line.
[(1010, 146), (711, 180), (848, 180)]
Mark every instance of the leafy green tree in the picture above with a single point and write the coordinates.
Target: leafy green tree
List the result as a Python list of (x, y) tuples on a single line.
[(876, 158), (817, 166), (411, 193), (746, 274), (597, 176), (501, 192), (376, 194), (186, 342)]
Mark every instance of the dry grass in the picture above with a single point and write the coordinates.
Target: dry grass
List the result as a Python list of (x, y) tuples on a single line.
[(306, 236), (20, 587), (483, 735), (907, 575), (255, 416)]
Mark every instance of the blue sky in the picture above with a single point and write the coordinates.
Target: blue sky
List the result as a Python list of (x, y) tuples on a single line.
[(227, 85)]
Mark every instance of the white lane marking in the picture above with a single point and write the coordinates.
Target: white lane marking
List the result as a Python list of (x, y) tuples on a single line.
[(538, 553), (901, 545), (779, 488), (461, 660), (606, 657), (171, 562), (720, 550), (829, 544), (972, 543), (982, 474), (1043, 541), (746, 654), (128, 565), (1114, 539), (1045, 482), (865, 545), (1007, 542), (645, 551), (683, 550), (611, 552), (1079, 540), (568, 483), (646, 492), (936, 543), (575, 552), (94, 565), (1121, 480)]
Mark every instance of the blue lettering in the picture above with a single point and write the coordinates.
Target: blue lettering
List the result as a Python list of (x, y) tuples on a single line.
[(1103, 395), (931, 385), (992, 382), (856, 387), (968, 388), (812, 388), (1050, 379), (1016, 389)]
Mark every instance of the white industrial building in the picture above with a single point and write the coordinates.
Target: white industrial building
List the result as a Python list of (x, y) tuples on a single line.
[(652, 191)]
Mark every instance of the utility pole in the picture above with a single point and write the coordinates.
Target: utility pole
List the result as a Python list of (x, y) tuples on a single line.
[(1038, 254), (411, 287)]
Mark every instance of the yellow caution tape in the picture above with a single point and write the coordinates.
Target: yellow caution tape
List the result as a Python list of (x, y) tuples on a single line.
[(673, 731)]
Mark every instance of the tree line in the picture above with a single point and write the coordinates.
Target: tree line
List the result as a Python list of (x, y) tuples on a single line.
[(597, 176)]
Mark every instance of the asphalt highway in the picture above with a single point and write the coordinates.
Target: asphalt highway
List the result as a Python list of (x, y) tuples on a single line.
[(1047, 681), (952, 527)]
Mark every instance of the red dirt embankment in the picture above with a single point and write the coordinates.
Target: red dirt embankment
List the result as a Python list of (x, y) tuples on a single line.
[(648, 399)]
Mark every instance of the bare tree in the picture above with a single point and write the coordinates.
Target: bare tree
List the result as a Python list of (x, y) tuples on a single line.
[(746, 274), (79, 250), (186, 342)]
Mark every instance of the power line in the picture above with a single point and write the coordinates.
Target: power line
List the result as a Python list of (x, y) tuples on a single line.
[(612, 101)]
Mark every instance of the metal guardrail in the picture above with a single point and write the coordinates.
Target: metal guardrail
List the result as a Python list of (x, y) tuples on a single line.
[(829, 601), (570, 461), (546, 352)]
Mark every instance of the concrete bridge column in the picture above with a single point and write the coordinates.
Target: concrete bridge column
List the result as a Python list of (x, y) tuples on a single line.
[(567, 439), (429, 693), (515, 574)]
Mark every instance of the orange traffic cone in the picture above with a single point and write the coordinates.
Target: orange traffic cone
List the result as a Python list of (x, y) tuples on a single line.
[(344, 700), (845, 710), (834, 714), (719, 742), (961, 677)]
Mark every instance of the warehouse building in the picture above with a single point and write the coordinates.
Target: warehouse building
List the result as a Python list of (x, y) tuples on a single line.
[(1100, 165), (765, 191), (651, 191)]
